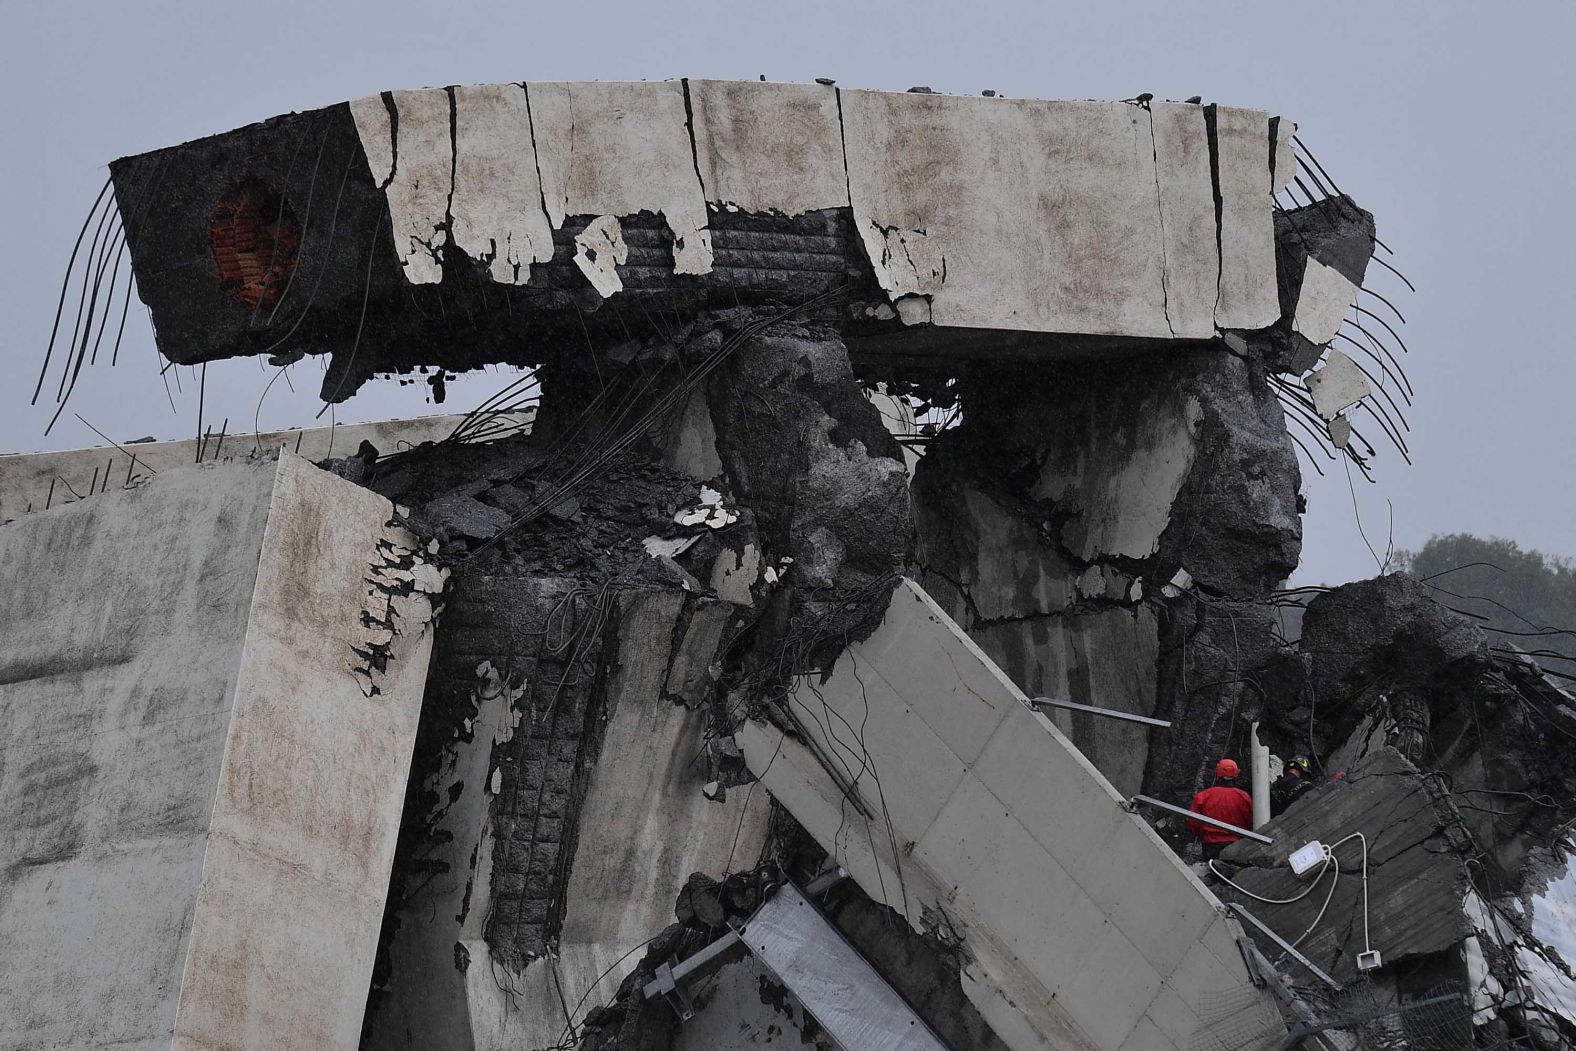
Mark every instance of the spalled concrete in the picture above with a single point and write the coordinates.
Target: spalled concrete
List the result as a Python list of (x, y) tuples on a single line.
[(1089, 222), (208, 839)]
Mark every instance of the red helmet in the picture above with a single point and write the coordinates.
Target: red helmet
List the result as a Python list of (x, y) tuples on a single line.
[(1226, 768)]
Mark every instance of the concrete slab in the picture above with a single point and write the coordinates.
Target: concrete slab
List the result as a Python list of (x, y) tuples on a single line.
[(177, 806), (1339, 385), (769, 147), (1077, 217), (1014, 885), (1248, 297), (617, 149), (497, 208), (1322, 301), (925, 679), (865, 729), (1146, 1036), (418, 192), (961, 179), (1032, 859), (375, 128), (1185, 190)]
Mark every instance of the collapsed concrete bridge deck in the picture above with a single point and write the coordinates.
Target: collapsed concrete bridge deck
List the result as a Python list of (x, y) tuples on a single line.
[(951, 222), (724, 616)]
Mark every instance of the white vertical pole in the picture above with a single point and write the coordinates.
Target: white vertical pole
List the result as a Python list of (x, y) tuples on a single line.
[(1259, 757)]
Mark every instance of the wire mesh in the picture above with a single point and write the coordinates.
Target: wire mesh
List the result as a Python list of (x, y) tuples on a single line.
[(1241, 1019), (1360, 1017)]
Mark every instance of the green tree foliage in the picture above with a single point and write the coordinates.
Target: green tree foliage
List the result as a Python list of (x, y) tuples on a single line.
[(1526, 597)]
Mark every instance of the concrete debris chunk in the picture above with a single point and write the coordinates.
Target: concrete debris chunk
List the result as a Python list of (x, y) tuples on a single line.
[(599, 249), (1339, 385)]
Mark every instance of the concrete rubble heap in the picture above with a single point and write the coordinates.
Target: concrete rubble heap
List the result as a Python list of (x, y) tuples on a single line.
[(727, 734)]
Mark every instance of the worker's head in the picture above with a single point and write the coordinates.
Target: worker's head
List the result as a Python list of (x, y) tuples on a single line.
[(1226, 770), (1298, 767)]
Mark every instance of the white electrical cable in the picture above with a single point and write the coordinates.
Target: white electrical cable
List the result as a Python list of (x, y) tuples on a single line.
[(1324, 864), (1328, 862), (1367, 945), (1329, 856)]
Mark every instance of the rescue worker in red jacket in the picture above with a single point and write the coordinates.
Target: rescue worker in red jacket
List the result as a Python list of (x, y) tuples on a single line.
[(1223, 802)]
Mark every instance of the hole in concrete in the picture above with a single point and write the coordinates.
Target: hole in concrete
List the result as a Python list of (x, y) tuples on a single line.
[(255, 239)]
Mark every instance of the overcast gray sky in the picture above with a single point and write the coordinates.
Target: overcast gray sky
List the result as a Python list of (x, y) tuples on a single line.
[(1450, 121)]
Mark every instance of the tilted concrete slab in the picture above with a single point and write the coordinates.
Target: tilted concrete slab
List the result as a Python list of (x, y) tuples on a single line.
[(202, 768), (969, 812)]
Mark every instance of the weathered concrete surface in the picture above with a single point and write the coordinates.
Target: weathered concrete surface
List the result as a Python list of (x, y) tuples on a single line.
[(29, 481), (644, 827), (971, 815), (565, 751), (617, 149), (198, 748), (1416, 879), (1094, 222), (497, 210), (1241, 145), (769, 147), (944, 188), (1052, 520)]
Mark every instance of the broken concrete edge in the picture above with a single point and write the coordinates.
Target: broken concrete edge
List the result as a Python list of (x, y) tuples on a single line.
[(444, 162), (688, 139), (34, 481)]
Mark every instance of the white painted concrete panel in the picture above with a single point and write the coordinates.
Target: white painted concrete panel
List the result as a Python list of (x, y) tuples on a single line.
[(1340, 384), (925, 679), (769, 147), (1015, 214), (497, 208), (418, 194), (1186, 193), (376, 131), (1285, 159), (312, 786), (1248, 297), (1322, 301), (617, 149)]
